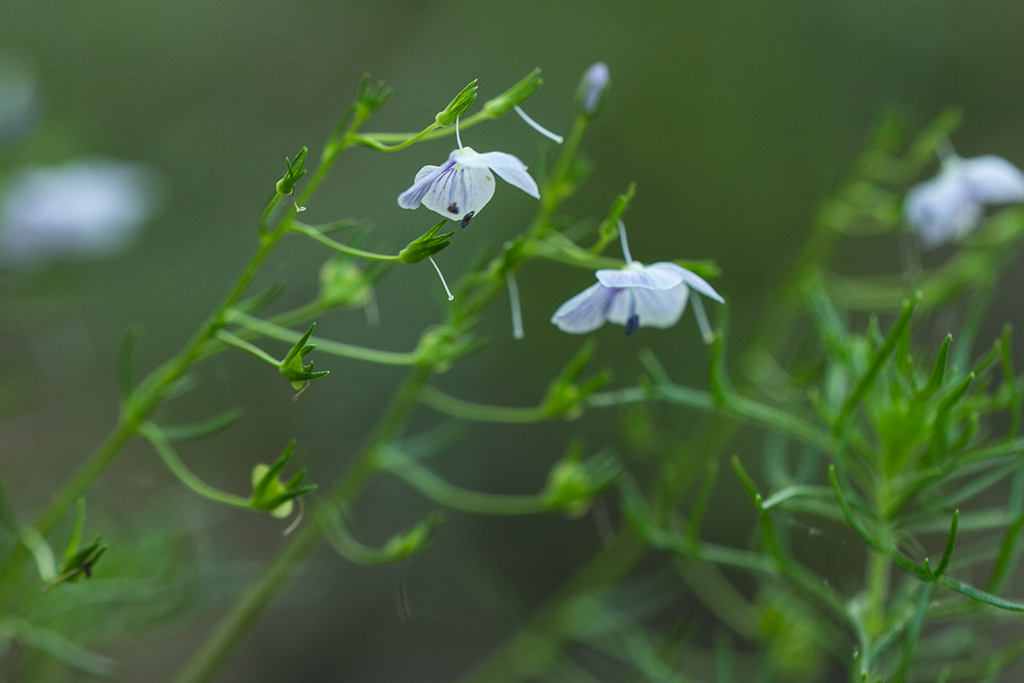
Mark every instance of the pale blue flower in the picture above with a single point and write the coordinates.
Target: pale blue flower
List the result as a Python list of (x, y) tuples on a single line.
[(463, 185), (952, 203), (87, 208), (635, 296)]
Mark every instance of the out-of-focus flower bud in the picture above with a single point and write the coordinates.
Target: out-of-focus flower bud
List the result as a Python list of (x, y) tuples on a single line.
[(592, 90), (344, 284)]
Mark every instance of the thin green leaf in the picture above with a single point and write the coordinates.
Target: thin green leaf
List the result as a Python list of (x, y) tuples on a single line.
[(879, 358), (198, 430)]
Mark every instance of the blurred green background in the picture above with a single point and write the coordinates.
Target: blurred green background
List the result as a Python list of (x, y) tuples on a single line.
[(734, 119)]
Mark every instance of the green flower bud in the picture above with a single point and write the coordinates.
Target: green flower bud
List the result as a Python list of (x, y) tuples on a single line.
[(426, 245), (286, 185), (273, 491), (592, 90), (407, 543), (570, 487), (271, 494), (517, 94), (293, 369), (458, 106), (344, 284)]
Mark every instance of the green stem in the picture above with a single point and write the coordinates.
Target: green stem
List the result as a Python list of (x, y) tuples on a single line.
[(466, 410), (179, 470), (572, 256), (316, 235), (374, 143), (274, 331), (443, 493), (242, 345), (431, 133)]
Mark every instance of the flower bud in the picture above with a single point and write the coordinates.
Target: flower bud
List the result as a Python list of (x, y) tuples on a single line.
[(426, 245), (591, 92), (292, 367), (286, 185), (401, 546), (517, 94), (271, 494), (344, 284), (570, 487), (273, 490), (458, 106)]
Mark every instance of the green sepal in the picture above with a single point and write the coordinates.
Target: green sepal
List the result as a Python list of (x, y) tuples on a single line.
[(414, 540), (293, 369), (573, 482), (286, 185), (517, 94), (426, 245), (458, 106), (81, 563), (269, 493)]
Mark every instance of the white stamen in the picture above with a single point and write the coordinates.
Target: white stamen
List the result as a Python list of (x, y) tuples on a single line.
[(702, 318), (458, 138), (451, 297), (513, 299), (625, 244), (537, 127)]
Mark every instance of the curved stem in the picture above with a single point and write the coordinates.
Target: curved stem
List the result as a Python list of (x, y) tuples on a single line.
[(242, 345), (477, 412), (183, 473), (379, 140), (443, 493), (316, 235), (273, 331)]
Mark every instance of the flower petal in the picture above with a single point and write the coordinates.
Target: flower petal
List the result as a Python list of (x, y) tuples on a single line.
[(993, 180), (942, 209), (654, 307), (459, 191), (508, 167), (694, 281), (586, 311), (411, 198), (637, 275)]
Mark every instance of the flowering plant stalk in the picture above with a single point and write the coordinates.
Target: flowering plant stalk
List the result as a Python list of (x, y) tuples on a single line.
[(868, 432)]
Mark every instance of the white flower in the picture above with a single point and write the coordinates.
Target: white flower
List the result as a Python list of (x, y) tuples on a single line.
[(464, 184), (635, 296), (949, 205), (89, 208)]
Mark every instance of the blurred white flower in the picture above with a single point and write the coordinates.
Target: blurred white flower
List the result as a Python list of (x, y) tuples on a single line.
[(952, 203), (464, 184), (87, 208), (635, 296)]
